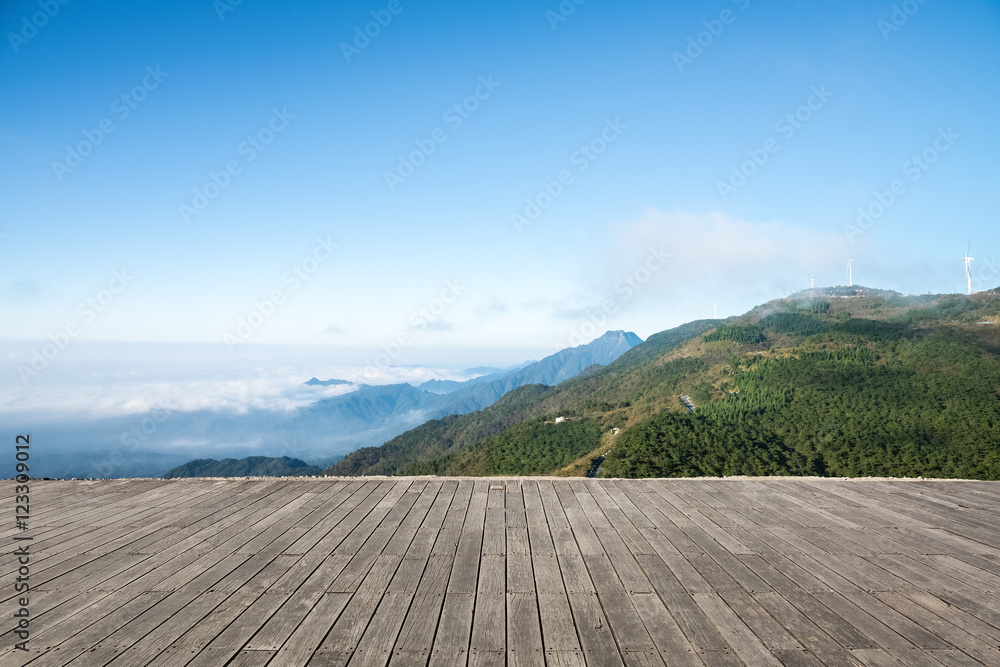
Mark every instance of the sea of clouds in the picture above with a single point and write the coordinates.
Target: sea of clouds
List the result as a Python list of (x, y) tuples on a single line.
[(94, 381)]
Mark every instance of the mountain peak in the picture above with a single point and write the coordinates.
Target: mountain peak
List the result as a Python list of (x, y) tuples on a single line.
[(615, 337), (324, 383), (622, 335)]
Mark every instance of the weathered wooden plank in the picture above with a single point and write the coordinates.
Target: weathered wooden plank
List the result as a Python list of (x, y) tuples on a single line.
[(957, 570), (616, 548), (589, 619), (349, 628), (558, 627), (673, 646), (907, 520), (343, 522), (625, 623), (715, 530), (301, 647), (258, 614), (276, 629), (538, 527), (668, 541), (376, 644), (876, 657), (495, 532), (251, 659), (465, 572), (489, 626), (947, 512), (139, 645), (957, 616), (486, 659), (61, 521), (423, 540), (406, 620), (524, 632), (409, 659), (583, 532), (187, 645), (599, 646), (952, 658), (376, 527), (556, 571), (955, 636), (475, 518), (560, 641), (805, 628), (79, 573), (421, 620), (378, 539), (616, 511), (745, 643), (843, 630), (979, 563), (796, 658), (887, 628), (463, 547), (765, 628), (523, 640), (982, 607), (691, 619), (571, 565), (210, 533), (451, 643), (206, 571), (785, 555), (89, 630), (451, 531), (341, 501), (564, 659)]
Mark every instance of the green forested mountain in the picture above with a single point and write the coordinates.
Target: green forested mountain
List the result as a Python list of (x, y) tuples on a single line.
[(454, 433), (827, 382), (251, 466), (534, 447)]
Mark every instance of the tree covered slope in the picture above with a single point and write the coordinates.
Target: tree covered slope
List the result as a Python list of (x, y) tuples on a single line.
[(824, 383), (440, 437), (251, 466)]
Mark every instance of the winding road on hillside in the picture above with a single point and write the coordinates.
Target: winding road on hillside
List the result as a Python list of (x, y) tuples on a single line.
[(594, 469)]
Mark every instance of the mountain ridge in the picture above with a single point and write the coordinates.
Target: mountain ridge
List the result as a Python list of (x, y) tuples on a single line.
[(850, 349), (380, 405), (373, 414)]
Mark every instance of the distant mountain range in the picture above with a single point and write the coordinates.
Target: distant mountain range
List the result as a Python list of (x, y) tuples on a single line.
[(366, 416), (388, 410), (438, 437), (316, 382)]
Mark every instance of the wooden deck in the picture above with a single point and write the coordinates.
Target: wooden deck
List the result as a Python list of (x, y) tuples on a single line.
[(559, 572)]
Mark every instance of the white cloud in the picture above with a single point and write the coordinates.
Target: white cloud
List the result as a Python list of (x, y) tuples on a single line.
[(726, 247), (710, 256), (278, 390)]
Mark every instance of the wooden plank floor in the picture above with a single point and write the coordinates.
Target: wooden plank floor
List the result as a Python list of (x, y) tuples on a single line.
[(524, 571)]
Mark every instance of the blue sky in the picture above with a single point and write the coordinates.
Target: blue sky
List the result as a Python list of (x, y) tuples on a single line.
[(637, 236)]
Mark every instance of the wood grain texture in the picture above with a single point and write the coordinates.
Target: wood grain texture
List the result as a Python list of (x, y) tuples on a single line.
[(529, 571)]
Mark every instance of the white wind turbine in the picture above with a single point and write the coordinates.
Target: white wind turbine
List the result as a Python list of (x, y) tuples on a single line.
[(968, 265), (716, 304), (812, 280), (850, 274)]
